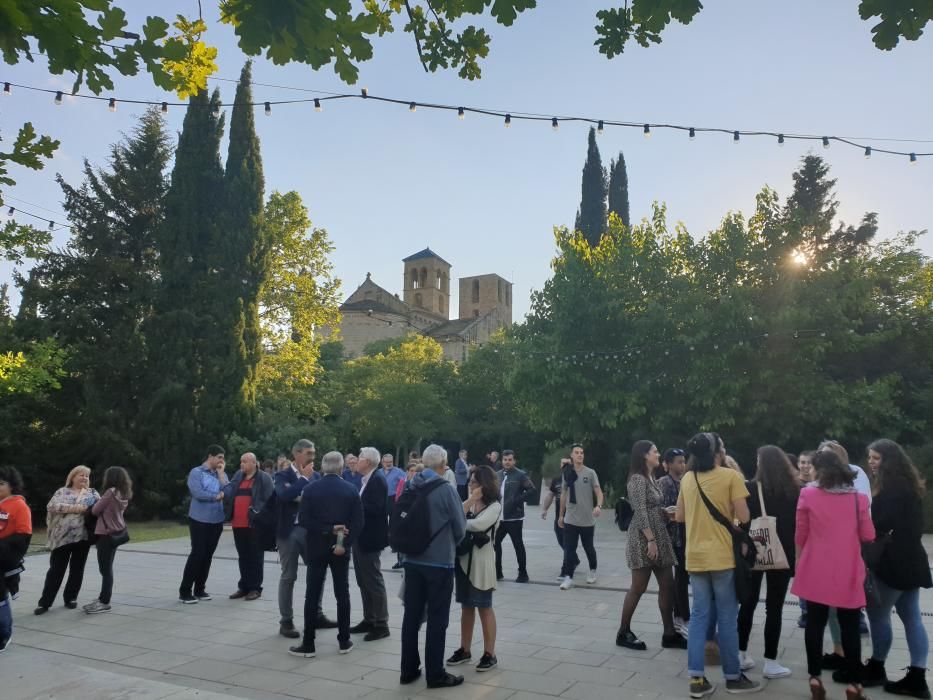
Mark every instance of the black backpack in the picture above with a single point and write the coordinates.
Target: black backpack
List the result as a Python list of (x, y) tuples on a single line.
[(624, 513), (410, 524)]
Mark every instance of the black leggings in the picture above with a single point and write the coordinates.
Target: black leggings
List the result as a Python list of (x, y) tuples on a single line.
[(817, 616), (774, 604), (105, 554), (573, 534)]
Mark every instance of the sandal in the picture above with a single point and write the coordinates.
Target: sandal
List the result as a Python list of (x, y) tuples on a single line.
[(855, 692), (817, 691)]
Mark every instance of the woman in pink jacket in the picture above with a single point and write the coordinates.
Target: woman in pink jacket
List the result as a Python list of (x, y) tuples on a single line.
[(832, 522)]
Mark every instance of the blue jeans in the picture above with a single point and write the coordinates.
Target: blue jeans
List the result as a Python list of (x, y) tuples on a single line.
[(6, 618), (907, 605), (714, 588)]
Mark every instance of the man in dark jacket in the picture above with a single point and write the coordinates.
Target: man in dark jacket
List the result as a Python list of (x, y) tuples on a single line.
[(514, 488), (246, 496), (370, 541), (290, 537), (332, 517)]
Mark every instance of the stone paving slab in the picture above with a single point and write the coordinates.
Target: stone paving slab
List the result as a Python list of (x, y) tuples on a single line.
[(550, 644)]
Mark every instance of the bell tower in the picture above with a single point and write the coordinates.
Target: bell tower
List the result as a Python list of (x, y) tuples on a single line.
[(426, 284)]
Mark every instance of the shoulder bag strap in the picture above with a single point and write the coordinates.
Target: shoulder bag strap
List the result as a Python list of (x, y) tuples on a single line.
[(761, 501), (713, 511)]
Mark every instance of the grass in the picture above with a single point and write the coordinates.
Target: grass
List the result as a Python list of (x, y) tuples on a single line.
[(143, 531)]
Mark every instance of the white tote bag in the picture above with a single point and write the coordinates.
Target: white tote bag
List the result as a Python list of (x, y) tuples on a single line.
[(763, 531)]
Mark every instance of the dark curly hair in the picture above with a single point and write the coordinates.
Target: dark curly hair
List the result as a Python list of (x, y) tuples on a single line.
[(488, 482), (12, 476), (896, 468)]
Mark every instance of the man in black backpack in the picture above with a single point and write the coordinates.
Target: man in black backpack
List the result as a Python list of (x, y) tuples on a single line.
[(429, 557)]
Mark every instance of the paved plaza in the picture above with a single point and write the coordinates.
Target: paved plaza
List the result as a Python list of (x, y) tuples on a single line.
[(550, 643)]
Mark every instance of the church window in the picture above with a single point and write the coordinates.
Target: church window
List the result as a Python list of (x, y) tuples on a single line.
[(440, 304), (439, 280), (414, 279), (423, 281), (476, 291)]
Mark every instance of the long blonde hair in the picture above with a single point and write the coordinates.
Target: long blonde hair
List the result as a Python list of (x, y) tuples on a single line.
[(74, 472)]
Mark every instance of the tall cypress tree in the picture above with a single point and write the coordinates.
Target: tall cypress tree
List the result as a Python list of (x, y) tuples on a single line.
[(618, 190), (591, 216), (184, 328)]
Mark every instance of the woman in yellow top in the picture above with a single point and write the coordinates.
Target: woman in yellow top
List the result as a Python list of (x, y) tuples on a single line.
[(710, 560)]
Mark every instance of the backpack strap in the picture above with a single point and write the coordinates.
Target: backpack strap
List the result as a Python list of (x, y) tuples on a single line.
[(425, 491)]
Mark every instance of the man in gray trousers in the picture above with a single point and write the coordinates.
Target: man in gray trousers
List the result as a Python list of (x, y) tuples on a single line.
[(368, 547)]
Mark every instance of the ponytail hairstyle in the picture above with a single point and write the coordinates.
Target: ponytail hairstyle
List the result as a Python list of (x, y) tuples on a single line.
[(705, 451)]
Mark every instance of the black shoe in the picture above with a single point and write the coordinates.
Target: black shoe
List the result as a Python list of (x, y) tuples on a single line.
[(376, 633), (5, 642), (913, 684), (41, 610), (304, 650), (344, 647), (802, 622), (203, 596), (842, 675), (460, 656), (487, 662), (833, 662), (522, 578), (187, 599), (500, 577), (407, 678), (71, 604), (873, 673), (673, 641), (287, 629), (322, 623), (361, 627), (448, 680), (629, 641)]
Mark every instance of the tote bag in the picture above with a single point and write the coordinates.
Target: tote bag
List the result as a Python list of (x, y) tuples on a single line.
[(763, 531)]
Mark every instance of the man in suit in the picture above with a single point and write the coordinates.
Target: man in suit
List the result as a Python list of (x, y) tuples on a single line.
[(370, 542), (290, 537), (331, 515)]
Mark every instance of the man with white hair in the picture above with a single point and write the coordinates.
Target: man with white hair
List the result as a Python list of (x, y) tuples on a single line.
[(429, 574), (332, 517), (370, 542)]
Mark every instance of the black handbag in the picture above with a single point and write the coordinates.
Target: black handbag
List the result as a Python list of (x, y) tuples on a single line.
[(119, 538), (872, 552), (743, 548), (473, 539)]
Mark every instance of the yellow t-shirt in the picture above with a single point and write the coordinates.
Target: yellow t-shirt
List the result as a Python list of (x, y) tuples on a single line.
[(709, 544)]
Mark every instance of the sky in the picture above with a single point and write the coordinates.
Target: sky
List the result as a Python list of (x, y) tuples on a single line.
[(385, 182)]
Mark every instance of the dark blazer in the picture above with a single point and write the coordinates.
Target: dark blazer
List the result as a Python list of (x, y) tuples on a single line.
[(374, 536), (327, 502), (904, 565), (785, 510), (288, 488)]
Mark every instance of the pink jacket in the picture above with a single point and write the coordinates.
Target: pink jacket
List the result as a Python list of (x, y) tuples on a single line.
[(829, 533)]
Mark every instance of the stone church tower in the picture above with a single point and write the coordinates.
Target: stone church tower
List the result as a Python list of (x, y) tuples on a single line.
[(426, 286)]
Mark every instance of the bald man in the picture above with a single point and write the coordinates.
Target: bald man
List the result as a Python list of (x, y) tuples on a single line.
[(248, 490)]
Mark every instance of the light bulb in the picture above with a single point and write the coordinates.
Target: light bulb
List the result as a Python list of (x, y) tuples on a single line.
[(216, 110), (735, 137), (112, 105), (693, 133), (780, 139), (508, 120), (554, 124), (647, 131), (10, 211), (599, 127), (825, 142), (364, 92), (51, 225), (867, 152), (268, 110), (58, 97), (165, 108), (7, 89), (913, 158), (317, 105), (461, 114)]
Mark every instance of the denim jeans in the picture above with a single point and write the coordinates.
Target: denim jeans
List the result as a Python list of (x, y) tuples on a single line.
[(714, 588), (6, 618), (907, 605)]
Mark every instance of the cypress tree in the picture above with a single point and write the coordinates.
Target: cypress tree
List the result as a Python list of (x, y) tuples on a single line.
[(618, 190), (184, 328), (591, 216)]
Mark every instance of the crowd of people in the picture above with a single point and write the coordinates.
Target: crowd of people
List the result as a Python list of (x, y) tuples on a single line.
[(815, 525)]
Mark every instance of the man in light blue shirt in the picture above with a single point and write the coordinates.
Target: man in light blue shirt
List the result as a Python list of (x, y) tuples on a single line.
[(205, 523)]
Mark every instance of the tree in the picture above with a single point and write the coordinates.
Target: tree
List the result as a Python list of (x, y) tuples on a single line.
[(618, 190), (591, 216)]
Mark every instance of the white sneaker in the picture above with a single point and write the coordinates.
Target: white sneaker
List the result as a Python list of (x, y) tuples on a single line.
[(746, 662), (591, 578), (567, 583), (681, 626), (773, 669)]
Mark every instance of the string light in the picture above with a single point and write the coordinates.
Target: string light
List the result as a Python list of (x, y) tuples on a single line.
[(268, 110), (554, 124), (508, 120), (913, 158), (51, 224), (412, 107), (867, 152), (10, 211), (58, 97), (600, 127), (508, 116)]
